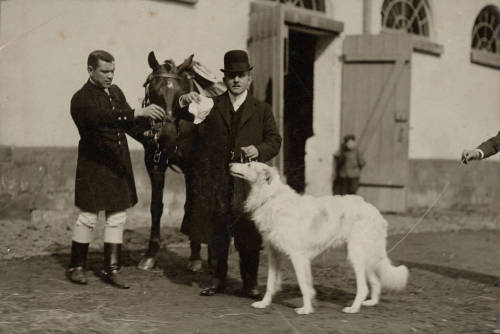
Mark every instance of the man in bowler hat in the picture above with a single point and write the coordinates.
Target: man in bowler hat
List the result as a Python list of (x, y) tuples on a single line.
[(235, 126)]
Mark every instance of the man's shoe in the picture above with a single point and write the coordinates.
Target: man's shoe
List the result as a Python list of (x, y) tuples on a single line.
[(253, 293), (113, 277), (212, 290), (77, 275), (194, 266)]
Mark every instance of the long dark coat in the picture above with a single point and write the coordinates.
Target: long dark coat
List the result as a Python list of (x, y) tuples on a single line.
[(104, 177), (224, 194)]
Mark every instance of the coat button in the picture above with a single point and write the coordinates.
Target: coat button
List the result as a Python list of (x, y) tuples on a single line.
[(125, 117), (119, 118)]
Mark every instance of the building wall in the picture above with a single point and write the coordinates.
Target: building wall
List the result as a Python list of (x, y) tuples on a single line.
[(454, 102), (44, 46), (46, 43)]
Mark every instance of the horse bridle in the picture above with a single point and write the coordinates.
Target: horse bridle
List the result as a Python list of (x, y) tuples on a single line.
[(154, 133)]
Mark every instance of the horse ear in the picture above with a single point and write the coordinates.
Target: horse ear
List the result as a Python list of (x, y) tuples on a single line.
[(186, 64), (153, 63)]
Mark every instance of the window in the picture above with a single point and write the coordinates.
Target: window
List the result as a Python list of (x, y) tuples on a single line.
[(318, 5), (486, 38), (486, 31), (412, 16)]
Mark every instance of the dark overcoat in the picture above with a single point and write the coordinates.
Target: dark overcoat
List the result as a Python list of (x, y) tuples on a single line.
[(104, 177), (224, 194), (491, 146)]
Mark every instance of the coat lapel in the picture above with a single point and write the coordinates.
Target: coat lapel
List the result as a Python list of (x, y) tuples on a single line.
[(248, 109), (225, 109)]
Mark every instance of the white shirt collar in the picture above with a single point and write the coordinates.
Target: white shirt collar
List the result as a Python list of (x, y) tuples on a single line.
[(237, 100)]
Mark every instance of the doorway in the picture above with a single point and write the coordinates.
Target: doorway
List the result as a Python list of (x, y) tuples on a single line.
[(298, 106)]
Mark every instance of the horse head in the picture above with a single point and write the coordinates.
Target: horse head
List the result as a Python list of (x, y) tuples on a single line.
[(167, 82)]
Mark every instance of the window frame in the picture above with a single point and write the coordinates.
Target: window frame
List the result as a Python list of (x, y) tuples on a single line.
[(482, 57)]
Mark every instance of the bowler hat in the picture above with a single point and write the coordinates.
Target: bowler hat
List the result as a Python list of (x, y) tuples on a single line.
[(236, 61)]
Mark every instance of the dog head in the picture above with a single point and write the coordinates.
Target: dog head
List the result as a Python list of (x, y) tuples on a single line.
[(254, 172)]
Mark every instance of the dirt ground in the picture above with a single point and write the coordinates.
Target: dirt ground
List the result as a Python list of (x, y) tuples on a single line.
[(453, 288)]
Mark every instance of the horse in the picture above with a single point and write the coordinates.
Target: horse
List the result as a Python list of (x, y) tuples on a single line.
[(170, 142)]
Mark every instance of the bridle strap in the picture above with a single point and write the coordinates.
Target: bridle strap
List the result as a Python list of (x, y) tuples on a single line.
[(161, 75)]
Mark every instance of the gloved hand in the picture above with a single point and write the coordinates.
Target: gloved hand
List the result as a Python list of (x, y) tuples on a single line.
[(187, 98), (468, 155)]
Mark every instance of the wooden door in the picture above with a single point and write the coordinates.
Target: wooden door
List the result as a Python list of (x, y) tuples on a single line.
[(375, 108), (266, 45)]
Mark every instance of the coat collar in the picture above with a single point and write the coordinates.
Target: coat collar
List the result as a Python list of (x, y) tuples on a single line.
[(247, 109), (89, 85)]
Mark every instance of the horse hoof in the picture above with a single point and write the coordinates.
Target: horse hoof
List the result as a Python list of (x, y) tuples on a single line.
[(147, 263)]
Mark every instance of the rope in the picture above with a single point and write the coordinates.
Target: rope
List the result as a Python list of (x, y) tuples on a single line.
[(428, 209)]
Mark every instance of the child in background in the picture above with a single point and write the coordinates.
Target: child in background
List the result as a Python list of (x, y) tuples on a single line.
[(348, 165)]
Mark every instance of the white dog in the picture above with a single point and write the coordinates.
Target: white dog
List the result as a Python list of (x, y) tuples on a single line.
[(302, 227)]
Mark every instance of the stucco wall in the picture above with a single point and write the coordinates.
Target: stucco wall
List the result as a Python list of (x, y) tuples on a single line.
[(454, 104), (45, 46), (34, 180)]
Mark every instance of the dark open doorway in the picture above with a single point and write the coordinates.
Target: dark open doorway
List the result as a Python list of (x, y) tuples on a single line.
[(298, 108)]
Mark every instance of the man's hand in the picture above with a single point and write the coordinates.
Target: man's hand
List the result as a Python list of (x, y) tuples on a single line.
[(186, 99), (152, 111), (468, 155), (251, 152)]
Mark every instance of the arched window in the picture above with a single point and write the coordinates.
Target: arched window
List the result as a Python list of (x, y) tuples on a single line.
[(318, 5), (486, 31), (411, 16)]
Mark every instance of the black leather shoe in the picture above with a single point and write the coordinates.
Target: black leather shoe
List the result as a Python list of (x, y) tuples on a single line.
[(212, 290), (252, 293), (77, 275)]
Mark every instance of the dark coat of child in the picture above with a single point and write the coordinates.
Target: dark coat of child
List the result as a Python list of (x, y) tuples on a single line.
[(348, 165)]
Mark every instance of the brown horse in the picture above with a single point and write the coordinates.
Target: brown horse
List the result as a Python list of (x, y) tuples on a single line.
[(171, 142)]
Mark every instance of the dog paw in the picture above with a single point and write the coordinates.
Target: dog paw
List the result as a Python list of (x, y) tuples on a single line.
[(304, 310), (350, 309), (370, 302), (261, 304)]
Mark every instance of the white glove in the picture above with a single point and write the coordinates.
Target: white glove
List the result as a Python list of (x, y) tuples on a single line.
[(201, 109)]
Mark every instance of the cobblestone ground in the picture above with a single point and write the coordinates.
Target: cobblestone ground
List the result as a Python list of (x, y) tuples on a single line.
[(453, 286)]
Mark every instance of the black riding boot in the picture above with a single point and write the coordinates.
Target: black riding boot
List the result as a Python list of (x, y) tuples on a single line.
[(112, 265), (76, 271)]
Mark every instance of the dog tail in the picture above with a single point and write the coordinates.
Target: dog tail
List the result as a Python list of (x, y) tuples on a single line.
[(391, 277)]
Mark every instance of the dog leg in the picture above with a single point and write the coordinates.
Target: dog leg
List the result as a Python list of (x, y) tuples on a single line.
[(375, 288), (273, 278), (361, 286), (302, 267)]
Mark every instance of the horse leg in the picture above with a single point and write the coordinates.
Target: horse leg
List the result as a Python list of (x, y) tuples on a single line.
[(157, 177)]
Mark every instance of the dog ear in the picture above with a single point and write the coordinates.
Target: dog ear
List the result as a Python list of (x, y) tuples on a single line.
[(269, 175)]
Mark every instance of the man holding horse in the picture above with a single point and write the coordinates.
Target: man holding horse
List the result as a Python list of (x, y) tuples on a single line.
[(237, 127), (104, 177)]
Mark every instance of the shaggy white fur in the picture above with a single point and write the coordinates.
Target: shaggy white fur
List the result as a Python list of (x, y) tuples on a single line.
[(302, 227)]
